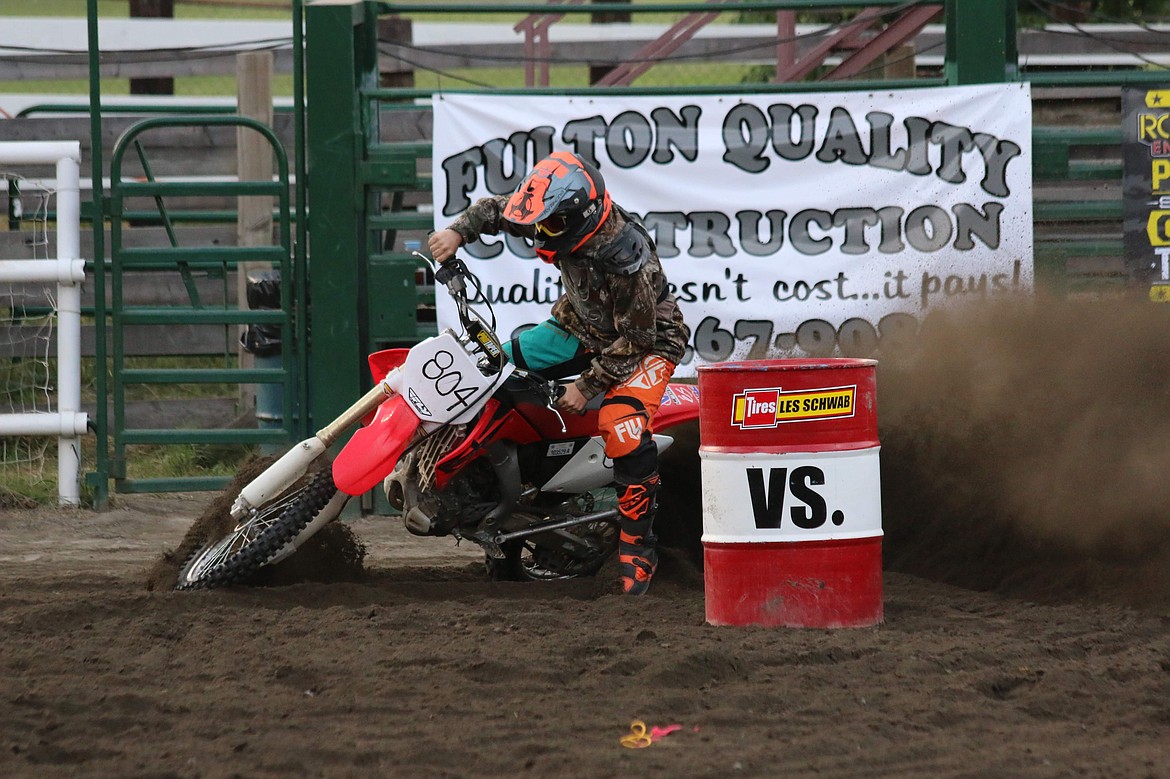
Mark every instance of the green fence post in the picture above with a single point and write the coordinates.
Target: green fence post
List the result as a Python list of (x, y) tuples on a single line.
[(981, 41), (99, 480), (341, 54)]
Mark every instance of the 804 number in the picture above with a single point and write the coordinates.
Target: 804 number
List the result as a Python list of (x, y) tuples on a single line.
[(447, 382)]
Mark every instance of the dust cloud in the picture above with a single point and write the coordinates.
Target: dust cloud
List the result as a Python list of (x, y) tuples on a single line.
[(1026, 444)]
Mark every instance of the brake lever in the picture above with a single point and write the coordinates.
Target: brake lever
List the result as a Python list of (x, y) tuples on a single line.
[(434, 266), (557, 391), (451, 273)]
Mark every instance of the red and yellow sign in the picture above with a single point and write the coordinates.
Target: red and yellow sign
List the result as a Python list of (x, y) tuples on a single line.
[(757, 408)]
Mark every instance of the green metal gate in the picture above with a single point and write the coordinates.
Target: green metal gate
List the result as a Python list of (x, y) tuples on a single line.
[(219, 263)]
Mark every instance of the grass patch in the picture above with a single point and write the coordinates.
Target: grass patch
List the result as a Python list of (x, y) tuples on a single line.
[(28, 468), (153, 462), (182, 390), (120, 9), (189, 86), (25, 491)]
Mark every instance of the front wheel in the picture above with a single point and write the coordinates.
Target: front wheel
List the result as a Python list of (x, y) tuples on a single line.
[(269, 533)]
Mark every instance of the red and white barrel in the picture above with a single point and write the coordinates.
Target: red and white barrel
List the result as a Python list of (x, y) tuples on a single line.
[(792, 526)]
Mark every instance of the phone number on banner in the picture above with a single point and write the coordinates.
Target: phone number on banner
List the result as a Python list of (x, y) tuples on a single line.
[(716, 341)]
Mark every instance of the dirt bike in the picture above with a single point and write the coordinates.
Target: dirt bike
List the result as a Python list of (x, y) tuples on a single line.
[(465, 445)]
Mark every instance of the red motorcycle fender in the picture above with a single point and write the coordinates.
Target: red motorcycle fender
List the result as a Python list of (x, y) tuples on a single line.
[(374, 450), (680, 403), (381, 363), (385, 361)]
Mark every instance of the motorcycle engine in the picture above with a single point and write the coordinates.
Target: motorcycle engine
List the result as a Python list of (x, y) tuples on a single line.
[(464, 502)]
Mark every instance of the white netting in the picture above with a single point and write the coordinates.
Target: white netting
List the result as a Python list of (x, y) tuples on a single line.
[(27, 319)]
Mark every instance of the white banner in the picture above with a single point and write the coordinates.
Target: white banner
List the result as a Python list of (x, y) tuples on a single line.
[(787, 224)]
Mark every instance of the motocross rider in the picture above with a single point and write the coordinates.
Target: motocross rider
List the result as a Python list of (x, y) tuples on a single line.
[(617, 325)]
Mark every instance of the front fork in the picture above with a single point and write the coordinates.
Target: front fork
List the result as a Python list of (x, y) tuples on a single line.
[(283, 473)]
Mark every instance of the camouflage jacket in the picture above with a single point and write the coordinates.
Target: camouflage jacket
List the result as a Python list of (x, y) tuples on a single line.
[(621, 319)]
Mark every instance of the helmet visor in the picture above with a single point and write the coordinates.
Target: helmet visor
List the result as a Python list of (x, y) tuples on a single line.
[(553, 225)]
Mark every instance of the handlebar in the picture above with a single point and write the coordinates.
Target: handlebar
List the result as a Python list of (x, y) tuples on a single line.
[(455, 275), (452, 273)]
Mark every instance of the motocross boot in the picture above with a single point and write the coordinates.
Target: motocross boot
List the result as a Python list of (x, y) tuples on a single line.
[(637, 555)]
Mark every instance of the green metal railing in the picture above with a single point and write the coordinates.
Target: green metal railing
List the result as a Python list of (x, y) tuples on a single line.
[(1097, 245)]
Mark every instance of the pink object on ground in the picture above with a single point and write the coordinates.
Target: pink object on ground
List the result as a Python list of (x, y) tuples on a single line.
[(657, 733)]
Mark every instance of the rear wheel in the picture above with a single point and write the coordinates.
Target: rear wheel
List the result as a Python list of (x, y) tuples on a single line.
[(568, 553), (266, 535)]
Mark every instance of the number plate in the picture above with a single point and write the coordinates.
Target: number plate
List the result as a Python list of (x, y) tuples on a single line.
[(442, 382)]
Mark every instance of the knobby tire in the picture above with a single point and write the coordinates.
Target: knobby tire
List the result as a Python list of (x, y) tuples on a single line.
[(248, 559)]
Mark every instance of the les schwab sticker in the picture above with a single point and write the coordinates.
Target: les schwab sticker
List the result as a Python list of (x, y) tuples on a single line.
[(759, 408)]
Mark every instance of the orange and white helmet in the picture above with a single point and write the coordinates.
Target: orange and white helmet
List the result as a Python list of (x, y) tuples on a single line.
[(564, 198)]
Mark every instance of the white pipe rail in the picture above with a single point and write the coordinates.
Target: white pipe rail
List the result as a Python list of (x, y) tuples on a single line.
[(68, 422)]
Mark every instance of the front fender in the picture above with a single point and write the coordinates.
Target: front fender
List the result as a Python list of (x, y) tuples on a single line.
[(372, 453)]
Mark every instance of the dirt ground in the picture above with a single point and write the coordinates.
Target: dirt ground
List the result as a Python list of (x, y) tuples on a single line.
[(1026, 634)]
